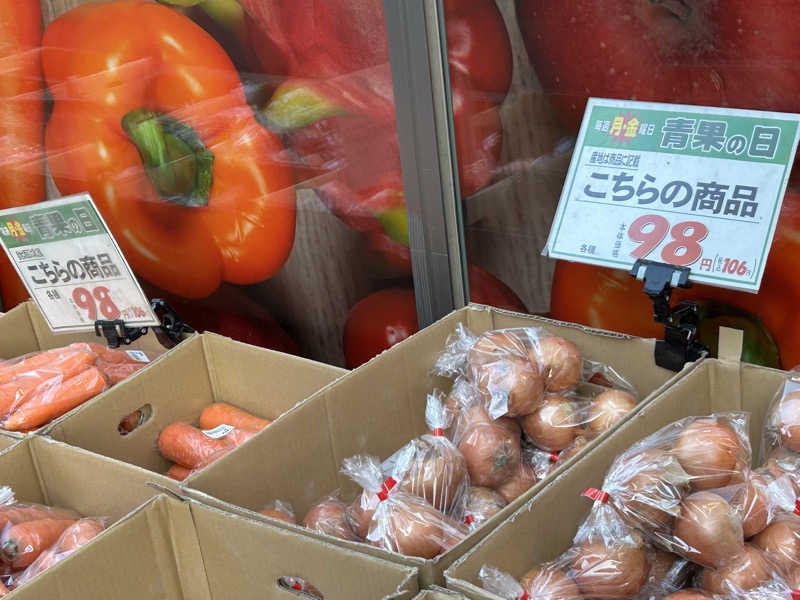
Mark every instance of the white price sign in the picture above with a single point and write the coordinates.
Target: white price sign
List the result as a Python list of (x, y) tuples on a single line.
[(66, 256), (686, 185)]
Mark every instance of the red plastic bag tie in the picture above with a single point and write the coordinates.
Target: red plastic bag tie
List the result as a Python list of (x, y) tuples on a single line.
[(595, 494), (795, 594), (525, 596), (797, 507), (553, 456), (296, 586), (469, 519), (387, 487), (438, 431)]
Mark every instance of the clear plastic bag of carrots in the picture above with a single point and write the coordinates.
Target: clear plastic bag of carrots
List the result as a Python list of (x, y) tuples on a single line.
[(35, 537), (40, 387), (221, 428)]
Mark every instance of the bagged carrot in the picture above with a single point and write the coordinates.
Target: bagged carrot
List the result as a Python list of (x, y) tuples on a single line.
[(220, 413), (73, 537), (178, 472), (22, 544), (13, 514), (188, 446), (54, 401)]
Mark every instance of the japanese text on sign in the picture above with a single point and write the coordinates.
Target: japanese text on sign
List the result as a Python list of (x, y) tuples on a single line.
[(691, 186), (71, 265)]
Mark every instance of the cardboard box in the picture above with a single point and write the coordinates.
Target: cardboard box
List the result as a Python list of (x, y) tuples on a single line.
[(23, 330), (544, 527), (47, 472), (174, 550), (377, 409), (437, 593), (202, 370)]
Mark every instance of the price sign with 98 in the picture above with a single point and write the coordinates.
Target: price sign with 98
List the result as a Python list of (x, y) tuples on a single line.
[(71, 265), (691, 186)]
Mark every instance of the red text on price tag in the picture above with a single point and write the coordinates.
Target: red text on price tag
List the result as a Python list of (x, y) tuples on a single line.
[(684, 248)]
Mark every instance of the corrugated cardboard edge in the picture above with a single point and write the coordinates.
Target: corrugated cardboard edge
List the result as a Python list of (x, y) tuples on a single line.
[(433, 571), (435, 592)]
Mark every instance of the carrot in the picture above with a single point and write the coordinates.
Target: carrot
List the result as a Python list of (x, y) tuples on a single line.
[(220, 413), (46, 405), (35, 361), (74, 536), (178, 472), (24, 542), (13, 514), (237, 437), (116, 372), (106, 354), (17, 391), (186, 445), (3, 590)]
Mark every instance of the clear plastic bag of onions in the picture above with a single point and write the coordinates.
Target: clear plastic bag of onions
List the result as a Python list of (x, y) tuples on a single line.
[(278, 509), (328, 516), (396, 520)]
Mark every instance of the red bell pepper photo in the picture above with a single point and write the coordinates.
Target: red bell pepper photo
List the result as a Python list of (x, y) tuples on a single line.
[(150, 117)]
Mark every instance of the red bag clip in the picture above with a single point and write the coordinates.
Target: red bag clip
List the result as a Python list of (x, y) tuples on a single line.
[(438, 432), (387, 487), (469, 519), (595, 494), (797, 507), (553, 456)]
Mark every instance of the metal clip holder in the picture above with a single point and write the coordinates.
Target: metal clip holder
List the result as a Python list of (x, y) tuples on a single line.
[(680, 344), (169, 333)]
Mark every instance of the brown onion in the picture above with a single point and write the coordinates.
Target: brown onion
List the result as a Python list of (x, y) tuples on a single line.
[(493, 346), (753, 500), (522, 479), (559, 361), (708, 530), (554, 425), (436, 474), (708, 451), (549, 583), (602, 572), (781, 542), (650, 496), (482, 504), (491, 452), (578, 444), (687, 595), (414, 528), (514, 379), (359, 516), (607, 409), (329, 517), (743, 572), (787, 417)]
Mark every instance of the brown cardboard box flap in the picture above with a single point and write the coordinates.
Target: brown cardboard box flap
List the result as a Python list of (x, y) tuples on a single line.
[(185, 551), (377, 409), (544, 527), (438, 593), (204, 369)]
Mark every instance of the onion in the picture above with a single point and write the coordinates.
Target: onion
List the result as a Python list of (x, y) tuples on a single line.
[(482, 504), (578, 444), (554, 425), (493, 346), (560, 362), (743, 572), (437, 473), (608, 408), (708, 451), (329, 517), (787, 417), (708, 531), (753, 500), (602, 572), (687, 595), (413, 528), (513, 380), (549, 583), (491, 452), (781, 542), (359, 513), (522, 479), (650, 497)]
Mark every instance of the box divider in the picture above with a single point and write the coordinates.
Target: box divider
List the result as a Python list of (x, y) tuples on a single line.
[(38, 470)]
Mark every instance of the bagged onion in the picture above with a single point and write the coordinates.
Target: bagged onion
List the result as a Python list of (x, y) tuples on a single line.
[(328, 516), (545, 583)]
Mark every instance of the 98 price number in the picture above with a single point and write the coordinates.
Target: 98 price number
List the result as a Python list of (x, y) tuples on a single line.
[(684, 247), (96, 301)]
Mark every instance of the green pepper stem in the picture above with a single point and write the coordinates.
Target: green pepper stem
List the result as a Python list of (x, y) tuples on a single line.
[(177, 162), (227, 13)]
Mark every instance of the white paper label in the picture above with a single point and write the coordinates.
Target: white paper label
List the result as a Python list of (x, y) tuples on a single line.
[(686, 185), (73, 268), (219, 431), (137, 355)]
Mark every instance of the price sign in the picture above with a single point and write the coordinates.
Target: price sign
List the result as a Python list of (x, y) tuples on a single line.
[(71, 265), (686, 185)]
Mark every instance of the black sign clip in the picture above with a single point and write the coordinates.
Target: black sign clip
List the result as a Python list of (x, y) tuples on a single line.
[(169, 333)]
